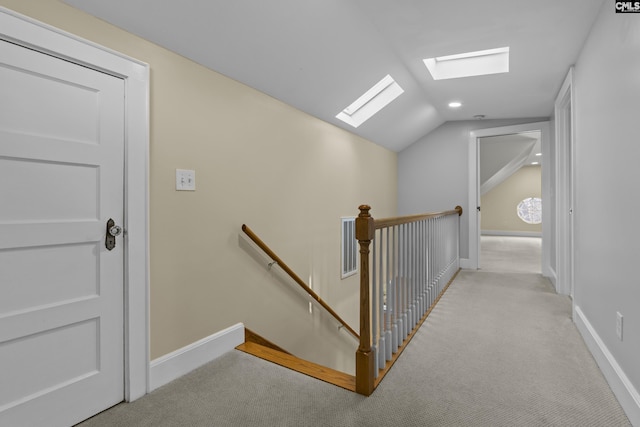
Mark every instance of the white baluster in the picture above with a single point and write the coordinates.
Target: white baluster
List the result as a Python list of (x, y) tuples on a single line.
[(388, 338)]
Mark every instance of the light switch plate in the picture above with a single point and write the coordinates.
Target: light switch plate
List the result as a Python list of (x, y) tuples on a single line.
[(185, 180)]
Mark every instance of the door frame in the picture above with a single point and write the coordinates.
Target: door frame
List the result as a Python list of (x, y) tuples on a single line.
[(565, 175), (474, 190), (27, 32)]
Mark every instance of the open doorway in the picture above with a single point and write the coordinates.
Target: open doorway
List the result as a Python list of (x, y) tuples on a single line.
[(510, 173), (533, 139)]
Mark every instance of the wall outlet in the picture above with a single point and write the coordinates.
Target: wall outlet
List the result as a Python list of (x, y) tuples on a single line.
[(619, 325)]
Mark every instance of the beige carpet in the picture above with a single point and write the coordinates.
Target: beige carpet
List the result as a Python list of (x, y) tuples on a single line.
[(511, 254), (498, 350)]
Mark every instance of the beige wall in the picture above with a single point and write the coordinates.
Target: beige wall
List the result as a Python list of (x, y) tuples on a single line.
[(287, 175), (499, 204)]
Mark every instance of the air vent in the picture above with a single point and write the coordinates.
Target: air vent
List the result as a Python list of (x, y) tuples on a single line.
[(349, 247)]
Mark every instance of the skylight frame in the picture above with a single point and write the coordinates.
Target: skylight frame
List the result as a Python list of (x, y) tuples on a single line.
[(371, 102), (469, 64)]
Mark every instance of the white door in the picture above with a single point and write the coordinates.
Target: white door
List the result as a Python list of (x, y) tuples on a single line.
[(61, 290)]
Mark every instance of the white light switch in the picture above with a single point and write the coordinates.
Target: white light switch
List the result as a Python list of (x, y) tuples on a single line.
[(185, 180)]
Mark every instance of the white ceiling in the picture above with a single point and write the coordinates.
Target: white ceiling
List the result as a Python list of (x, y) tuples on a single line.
[(319, 56)]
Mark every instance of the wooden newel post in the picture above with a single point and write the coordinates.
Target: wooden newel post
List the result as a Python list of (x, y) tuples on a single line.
[(365, 363)]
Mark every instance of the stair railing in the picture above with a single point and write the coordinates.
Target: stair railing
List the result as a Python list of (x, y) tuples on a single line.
[(405, 265), (280, 263)]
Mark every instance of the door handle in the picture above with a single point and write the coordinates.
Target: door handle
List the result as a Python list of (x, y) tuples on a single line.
[(113, 231)]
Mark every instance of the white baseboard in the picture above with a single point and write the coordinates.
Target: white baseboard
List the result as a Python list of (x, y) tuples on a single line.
[(620, 384), (465, 264), (511, 233), (171, 366)]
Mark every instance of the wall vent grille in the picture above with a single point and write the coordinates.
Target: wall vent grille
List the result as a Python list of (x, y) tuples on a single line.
[(349, 247)]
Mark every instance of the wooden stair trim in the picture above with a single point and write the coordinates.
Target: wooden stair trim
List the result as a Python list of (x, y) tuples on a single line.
[(331, 376), (389, 364), (251, 336)]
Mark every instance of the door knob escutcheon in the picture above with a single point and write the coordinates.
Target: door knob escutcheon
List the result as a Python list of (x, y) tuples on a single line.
[(113, 231)]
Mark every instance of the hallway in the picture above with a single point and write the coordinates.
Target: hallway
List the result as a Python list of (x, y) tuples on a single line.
[(499, 349), (510, 254)]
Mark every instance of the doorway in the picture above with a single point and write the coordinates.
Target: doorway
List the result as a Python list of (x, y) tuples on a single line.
[(510, 198), (475, 181)]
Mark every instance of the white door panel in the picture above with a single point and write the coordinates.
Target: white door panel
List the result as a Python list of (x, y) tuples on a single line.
[(48, 86), (61, 290), (74, 266), (57, 191)]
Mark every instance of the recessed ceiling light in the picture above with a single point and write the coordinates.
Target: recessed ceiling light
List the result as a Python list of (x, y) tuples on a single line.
[(455, 104), (372, 101), (535, 163), (482, 62), (538, 154)]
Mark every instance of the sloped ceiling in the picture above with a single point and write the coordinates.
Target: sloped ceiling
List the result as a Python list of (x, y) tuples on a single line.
[(502, 156), (319, 56)]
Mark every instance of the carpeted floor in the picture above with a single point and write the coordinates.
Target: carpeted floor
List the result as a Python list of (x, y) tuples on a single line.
[(499, 349), (524, 254)]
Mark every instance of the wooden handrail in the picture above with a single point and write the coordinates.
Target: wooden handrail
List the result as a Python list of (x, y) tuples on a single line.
[(390, 222), (296, 278)]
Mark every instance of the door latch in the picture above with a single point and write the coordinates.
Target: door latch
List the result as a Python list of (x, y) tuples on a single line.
[(113, 231)]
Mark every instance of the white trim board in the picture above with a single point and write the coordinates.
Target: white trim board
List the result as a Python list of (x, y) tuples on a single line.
[(620, 384), (41, 37), (510, 233), (184, 360)]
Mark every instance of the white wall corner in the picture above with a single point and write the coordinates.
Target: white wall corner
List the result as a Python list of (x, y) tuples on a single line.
[(620, 384), (171, 366), (550, 274), (465, 264)]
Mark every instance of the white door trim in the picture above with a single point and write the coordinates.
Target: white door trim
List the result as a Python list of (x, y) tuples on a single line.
[(474, 189), (30, 33), (565, 173)]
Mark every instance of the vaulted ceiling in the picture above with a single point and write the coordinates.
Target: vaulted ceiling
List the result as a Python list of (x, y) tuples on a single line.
[(319, 56)]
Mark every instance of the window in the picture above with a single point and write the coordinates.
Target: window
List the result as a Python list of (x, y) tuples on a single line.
[(491, 61), (374, 100), (530, 210), (349, 247)]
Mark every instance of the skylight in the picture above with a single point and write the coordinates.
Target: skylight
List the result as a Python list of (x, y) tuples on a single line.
[(373, 100), (491, 61)]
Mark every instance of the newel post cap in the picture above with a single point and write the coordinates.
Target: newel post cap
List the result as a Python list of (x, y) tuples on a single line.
[(365, 226), (364, 210)]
